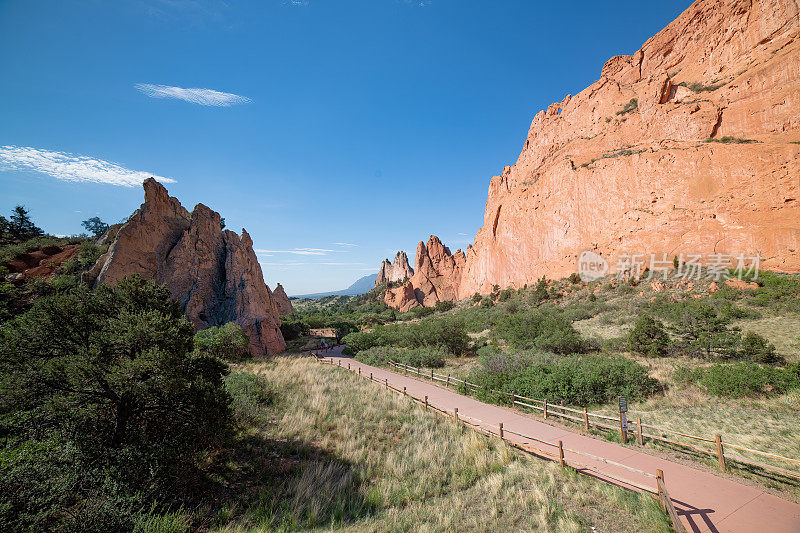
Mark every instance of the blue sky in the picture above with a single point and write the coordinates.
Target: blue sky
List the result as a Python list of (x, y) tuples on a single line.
[(336, 132)]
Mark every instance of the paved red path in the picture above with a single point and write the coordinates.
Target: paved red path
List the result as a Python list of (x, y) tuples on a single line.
[(705, 502)]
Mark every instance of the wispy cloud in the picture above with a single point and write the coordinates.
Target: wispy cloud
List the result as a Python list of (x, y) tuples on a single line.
[(207, 97), (344, 244), (71, 167), (297, 251)]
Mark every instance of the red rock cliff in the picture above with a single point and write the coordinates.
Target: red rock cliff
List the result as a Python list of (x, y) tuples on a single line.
[(688, 146), (624, 166), (214, 274)]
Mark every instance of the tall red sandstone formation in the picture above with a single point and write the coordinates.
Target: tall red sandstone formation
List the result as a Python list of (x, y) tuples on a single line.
[(283, 302), (398, 270), (437, 274), (212, 273), (650, 158)]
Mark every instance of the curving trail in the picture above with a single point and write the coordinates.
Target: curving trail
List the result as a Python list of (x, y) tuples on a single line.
[(705, 502)]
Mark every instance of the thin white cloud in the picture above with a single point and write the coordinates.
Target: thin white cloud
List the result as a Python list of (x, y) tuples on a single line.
[(71, 167), (344, 244), (297, 251), (207, 97)]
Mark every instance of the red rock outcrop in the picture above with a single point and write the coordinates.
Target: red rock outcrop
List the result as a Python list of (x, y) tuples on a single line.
[(39, 263), (689, 146), (283, 302), (398, 270), (213, 273), (437, 275), (624, 167)]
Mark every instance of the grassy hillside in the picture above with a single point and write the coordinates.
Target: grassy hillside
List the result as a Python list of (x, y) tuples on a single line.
[(336, 452)]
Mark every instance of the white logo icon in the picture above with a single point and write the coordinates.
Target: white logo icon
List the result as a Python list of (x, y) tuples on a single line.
[(591, 266)]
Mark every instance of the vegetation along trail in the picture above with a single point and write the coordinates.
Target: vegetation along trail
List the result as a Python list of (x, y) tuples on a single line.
[(704, 502)]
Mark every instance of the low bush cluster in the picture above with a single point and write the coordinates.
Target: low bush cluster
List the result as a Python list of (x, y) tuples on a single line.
[(577, 380), (448, 333), (545, 328), (742, 379)]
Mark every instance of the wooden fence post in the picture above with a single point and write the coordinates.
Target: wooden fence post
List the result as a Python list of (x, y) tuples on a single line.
[(348, 366), (340, 362), (513, 398), (404, 391), (562, 407), (623, 429), (720, 452), (359, 371), (426, 402), (660, 477), (431, 374), (501, 431), (448, 380), (370, 376), (586, 419), (387, 382), (455, 413), (561, 453), (639, 432), (545, 407)]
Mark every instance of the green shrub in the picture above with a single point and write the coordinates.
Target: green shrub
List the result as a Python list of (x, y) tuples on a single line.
[(648, 337), (578, 380), (543, 328), (447, 333), (700, 88), (293, 327), (422, 357), (250, 393), (742, 379), (227, 342), (630, 107), (757, 349), (444, 306), (476, 297), (505, 294), (730, 140)]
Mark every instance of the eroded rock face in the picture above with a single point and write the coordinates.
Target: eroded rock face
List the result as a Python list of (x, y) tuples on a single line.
[(282, 301), (604, 172), (437, 275), (213, 273), (398, 270)]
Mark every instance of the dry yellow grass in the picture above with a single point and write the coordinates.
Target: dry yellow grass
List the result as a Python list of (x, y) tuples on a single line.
[(405, 468)]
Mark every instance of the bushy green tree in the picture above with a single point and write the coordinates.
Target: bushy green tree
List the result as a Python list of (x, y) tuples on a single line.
[(18, 227), (227, 342), (648, 337), (758, 349), (105, 408), (95, 226), (704, 332)]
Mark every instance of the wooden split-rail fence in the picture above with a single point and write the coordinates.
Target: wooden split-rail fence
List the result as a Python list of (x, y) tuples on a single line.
[(721, 450), (545, 449)]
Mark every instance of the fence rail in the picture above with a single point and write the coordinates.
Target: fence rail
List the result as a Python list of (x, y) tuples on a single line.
[(589, 419), (556, 454)]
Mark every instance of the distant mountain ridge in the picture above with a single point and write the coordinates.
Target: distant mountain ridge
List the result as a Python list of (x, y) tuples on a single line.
[(360, 286)]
